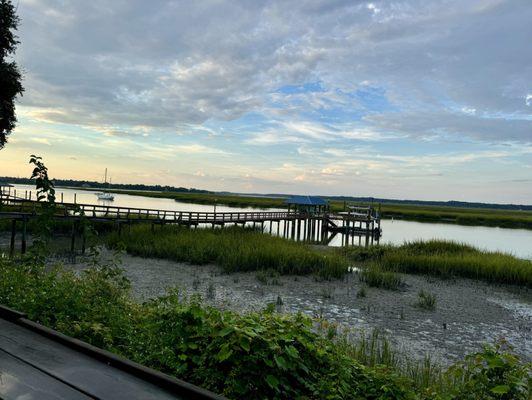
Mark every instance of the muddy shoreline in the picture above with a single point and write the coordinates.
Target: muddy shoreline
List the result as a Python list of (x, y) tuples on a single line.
[(468, 313)]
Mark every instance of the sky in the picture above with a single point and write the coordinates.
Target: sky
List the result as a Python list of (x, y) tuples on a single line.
[(412, 99)]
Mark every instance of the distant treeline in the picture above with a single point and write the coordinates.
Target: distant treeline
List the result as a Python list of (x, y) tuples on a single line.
[(376, 200), (451, 203), (94, 184)]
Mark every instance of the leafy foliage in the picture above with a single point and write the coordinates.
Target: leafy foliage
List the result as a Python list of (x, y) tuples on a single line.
[(493, 373), (46, 195), (10, 77)]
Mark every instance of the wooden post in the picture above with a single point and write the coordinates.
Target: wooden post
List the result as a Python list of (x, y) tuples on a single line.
[(73, 238), (61, 197), (13, 232), (83, 241), (74, 198), (23, 244), (293, 232)]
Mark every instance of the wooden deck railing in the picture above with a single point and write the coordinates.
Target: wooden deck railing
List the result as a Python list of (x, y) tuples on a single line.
[(132, 213)]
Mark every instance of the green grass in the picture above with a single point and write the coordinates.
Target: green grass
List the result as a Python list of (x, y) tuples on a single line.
[(234, 249), (374, 276), (447, 259), (426, 300), (255, 355)]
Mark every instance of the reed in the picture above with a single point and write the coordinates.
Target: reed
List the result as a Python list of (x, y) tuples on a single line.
[(234, 249)]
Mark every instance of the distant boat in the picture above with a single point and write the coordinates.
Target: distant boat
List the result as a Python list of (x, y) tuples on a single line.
[(105, 195)]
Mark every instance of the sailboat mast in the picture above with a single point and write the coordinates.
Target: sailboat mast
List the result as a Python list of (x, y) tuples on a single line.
[(105, 179)]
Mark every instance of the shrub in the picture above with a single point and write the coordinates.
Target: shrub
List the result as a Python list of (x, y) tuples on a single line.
[(494, 373)]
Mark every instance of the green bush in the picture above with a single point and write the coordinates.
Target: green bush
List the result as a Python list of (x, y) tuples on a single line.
[(493, 373)]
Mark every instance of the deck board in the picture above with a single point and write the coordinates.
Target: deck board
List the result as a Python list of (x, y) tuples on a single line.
[(19, 380), (61, 363)]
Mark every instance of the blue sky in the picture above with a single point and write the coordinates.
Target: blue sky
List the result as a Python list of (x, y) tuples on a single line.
[(398, 99)]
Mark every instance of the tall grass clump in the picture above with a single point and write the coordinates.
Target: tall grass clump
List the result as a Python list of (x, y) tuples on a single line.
[(426, 300), (234, 249), (447, 259), (453, 259), (374, 276), (243, 356)]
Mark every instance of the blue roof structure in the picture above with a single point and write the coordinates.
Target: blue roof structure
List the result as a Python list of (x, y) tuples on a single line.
[(306, 201)]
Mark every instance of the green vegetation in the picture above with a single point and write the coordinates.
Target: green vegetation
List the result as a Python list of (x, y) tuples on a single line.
[(374, 276), (268, 277), (256, 355), (234, 249), (426, 300), (459, 215), (447, 259)]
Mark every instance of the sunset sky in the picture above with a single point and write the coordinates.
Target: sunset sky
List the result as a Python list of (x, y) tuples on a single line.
[(397, 99)]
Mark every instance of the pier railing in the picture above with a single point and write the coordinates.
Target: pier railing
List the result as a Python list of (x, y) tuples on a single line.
[(97, 211)]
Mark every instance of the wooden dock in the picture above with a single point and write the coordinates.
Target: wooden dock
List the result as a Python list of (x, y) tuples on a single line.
[(322, 227)]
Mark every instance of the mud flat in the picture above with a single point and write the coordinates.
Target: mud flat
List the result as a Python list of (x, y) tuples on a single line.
[(468, 313)]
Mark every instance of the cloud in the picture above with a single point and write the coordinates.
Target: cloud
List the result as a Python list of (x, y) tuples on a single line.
[(338, 88), (166, 63)]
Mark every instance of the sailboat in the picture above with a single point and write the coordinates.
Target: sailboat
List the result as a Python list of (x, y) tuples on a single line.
[(105, 195)]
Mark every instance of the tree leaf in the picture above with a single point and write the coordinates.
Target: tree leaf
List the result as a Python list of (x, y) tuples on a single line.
[(272, 381), (500, 389), (224, 353)]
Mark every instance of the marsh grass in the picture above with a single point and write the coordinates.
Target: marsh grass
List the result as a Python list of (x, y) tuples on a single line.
[(234, 249), (374, 276), (447, 259), (426, 300), (268, 277)]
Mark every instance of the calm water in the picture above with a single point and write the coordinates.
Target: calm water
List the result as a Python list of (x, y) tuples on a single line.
[(514, 241)]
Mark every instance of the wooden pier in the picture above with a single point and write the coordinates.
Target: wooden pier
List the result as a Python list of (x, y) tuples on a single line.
[(316, 225)]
